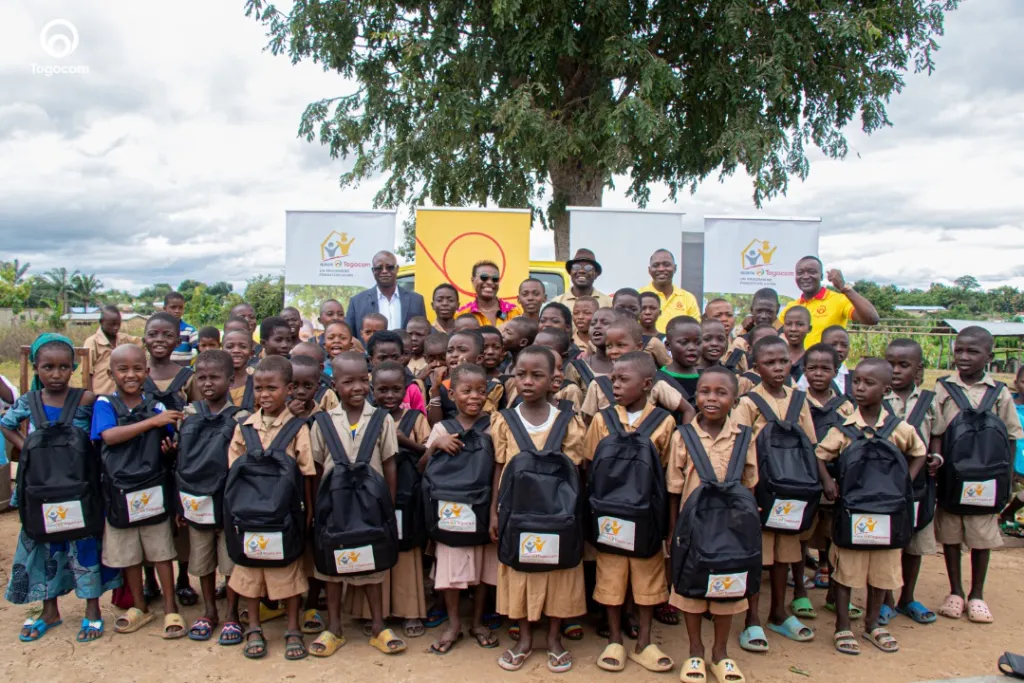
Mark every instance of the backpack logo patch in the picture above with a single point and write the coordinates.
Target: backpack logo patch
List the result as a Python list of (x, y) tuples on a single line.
[(727, 585), (63, 516), (617, 533), (456, 517), (871, 529), (145, 503), (198, 509), (980, 493), (263, 545), (538, 548), (786, 514), (351, 560)]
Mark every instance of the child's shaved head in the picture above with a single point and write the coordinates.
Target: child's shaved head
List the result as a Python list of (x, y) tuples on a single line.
[(642, 361), (631, 327)]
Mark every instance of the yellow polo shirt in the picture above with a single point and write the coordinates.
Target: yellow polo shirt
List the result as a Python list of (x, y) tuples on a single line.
[(679, 302), (827, 308)]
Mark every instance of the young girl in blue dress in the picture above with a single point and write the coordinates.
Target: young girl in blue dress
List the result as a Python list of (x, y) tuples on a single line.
[(46, 571)]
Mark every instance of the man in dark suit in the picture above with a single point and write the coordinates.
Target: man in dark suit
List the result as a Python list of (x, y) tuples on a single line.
[(394, 303)]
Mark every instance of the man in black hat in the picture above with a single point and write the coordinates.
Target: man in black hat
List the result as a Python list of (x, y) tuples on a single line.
[(583, 269)]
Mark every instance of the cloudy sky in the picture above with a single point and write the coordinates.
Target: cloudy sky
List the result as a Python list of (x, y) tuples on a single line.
[(176, 155)]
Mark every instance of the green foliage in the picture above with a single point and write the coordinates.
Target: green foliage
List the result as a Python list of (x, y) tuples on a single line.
[(155, 292), (220, 289), (203, 308), (85, 290), (187, 287), (14, 290), (307, 298), (462, 102), (265, 293)]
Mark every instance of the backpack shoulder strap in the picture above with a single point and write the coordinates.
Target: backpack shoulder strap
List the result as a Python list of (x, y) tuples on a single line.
[(120, 409), (453, 426), (604, 382), (612, 421), (887, 406), (988, 401), (248, 396), (662, 376), (957, 394), (586, 374), (763, 407), (482, 423), (320, 391), (796, 403), (149, 386), (888, 427), (834, 402), (733, 360), (566, 405), (331, 438), (35, 407), (754, 378), (698, 455), (924, 401), (652, 421), (202, 409), (557, 434), (515, 425), (252, 438), (408, 421), (180, 380), (370, 435), (287, 433), (739, 454), (71, 402)]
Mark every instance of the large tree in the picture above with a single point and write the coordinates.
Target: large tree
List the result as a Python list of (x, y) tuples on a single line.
[(469, 101)]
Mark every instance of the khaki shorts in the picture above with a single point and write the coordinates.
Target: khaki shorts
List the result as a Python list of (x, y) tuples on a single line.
[(208, 553), (863, 568), (822, 529), (782, 548), (923, 542), (977, 532), (276, 583), (616, 573), (365, 580), (129, 547), (718, 608)]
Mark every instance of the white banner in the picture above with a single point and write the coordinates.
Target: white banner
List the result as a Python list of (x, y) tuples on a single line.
[(743, 255), (623, 241), (335, 248)]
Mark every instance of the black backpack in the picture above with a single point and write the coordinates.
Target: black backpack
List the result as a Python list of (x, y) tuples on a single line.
[(202, 465), (788, 489), (626, 484), (925, 488), (326, 382), (58, 479), (540, 502), (975, 477), (412, 527), (662, 376), (716, 553), (264, 501), (732, 361), (875, 507), (604, 383), (135, 475), (248, 401), (354, 528), (754, 378), (457, 490), (827, 416), (584, 371), (171, 396)]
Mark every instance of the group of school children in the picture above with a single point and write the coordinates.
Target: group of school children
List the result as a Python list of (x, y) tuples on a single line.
[(569, 463)]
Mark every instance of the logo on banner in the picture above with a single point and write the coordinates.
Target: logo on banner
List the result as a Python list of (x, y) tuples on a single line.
[(757, 254), (335, 246)]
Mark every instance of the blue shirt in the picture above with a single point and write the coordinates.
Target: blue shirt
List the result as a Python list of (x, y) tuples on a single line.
[(104, 417), (188, 341)]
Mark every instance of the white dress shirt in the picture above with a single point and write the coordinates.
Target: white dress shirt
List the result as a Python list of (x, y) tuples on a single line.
[(390, 309)]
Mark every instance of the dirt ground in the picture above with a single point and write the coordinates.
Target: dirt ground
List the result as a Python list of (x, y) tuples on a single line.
[(942, 650)]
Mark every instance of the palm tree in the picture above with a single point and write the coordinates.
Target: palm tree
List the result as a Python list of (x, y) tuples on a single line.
[(84, 288), (19, 270), (58, 282)]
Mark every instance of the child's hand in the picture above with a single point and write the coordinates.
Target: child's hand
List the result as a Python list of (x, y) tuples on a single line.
[(933, 464), (437, 376), (296, 407), (424, 373), (449, 443), (835, 276), (167, 445), (748, 323), (167, 417), (830, 489), (493, 527)]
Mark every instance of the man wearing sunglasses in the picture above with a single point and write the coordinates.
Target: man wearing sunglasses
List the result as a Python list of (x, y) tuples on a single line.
[(583, 269), (386, 298)]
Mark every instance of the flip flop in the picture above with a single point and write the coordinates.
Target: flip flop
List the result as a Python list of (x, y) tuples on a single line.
[(1011, 665), (793, 629), (435, 618), (171, 621), (918, 612), (311, 616), (652, 659), (233, 629), (255, 648), (666, 614), (613, 652), (294, 651), (572, 631), (952, 607), (728, 671), (443, 647), (89, 627), (329, 642), (883, 640), (751, 634), (845, 643), (201, 629), (484, 638), (135, 619), (808, 582), (694, 670), (559, 663), (39, 626), (513, 632), (384, 640), (803, 608), (821, 578), (886, 614), (853, 612), (515, 661), (978, 612), (413, 628), (492, 620)]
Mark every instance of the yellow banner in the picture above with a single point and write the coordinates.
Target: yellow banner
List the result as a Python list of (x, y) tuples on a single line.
[(450, 241)]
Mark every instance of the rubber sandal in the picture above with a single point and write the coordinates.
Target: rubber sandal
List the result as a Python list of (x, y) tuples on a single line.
[(368, 629), (821, 578), (435, 618), (666, 614), (492, 620), (513, 632), (883, 640), (952, 607), (749, 636), (90, 627), (251, 644), (803, 608), (1011, 665), (484, 638), (413, 628), (727, 671), (39, 626), (613, 652), (918, 612), (978, 612), (329, 642), (808, 582), (384, 640), (572, 631), (201, 629), (694, 671), (560, 663), (651, 658), (171, 621), (793, 629), (514, 662), (886, 614), (853, 612), (294, 651), (443, 647), (187, 596), (845, 643), (134, 619), (312, 622), (232, 629)]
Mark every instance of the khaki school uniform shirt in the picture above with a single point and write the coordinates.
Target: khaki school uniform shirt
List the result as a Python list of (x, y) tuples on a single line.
[(657, 349), (417, 364), (662, 437), (570, 392), (186, 391), (569, 299), (329, 401), (506, 448), (741, 344), (298, 448), (385, 448), (846, 409), (682, 479), (903, 410), (946, 410), (100, 349), (420, 428), (746, 413), (904, 437), (662, 394)]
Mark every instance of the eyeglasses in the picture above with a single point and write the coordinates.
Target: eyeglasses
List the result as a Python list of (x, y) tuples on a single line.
[(389, 267), (484, 277), (584, 267)]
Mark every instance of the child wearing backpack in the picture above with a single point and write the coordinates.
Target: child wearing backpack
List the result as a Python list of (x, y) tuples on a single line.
[(595, 353), (466, 346), (874, 516), (796, 325), (713, 348), (202, 468), (238, 343), (973, 468), (44, 569), (729, 450), (782, 519), (683, 335), (356, 427), (917, 406), (541, 571), (136, 434), (326, 399), (630, 552), (254, 442)]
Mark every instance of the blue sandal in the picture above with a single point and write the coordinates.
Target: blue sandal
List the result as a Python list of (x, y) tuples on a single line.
[(90, 627), (39, 626), (793, 629), (886, 614), (751, 634), (918, 613), (435, 618)]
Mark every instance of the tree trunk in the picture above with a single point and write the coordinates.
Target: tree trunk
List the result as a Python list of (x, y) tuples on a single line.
[(574, 185)]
